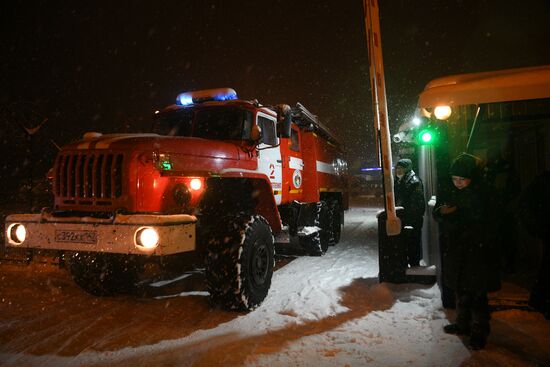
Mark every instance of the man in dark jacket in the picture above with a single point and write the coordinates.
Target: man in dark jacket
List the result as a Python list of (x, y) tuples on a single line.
[(470, 259), (409, 193)]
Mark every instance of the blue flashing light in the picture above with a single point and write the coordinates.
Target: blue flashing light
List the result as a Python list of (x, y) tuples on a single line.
[(370, 169), (227, 96), (220, 94), (184, 99)]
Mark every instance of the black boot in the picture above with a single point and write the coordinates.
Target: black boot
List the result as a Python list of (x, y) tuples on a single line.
[(456, 329), (478, 339)]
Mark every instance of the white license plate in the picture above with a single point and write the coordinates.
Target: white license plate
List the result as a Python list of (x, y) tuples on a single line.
[(76, 236)]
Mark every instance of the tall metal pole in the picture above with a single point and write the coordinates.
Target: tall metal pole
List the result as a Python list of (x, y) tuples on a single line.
[(376, 120), (378, 87)]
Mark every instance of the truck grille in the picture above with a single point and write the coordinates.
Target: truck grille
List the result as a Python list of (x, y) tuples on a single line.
[(88, 176)]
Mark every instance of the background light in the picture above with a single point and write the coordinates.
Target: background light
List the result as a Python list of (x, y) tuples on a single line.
[(426, 136), (442, 112), (430, 135)]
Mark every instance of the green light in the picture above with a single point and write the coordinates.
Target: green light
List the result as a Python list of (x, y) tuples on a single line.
[(164, 162), (166, 165), (426, 137)]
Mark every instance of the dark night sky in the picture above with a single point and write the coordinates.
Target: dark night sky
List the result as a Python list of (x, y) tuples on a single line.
[(104, 65)]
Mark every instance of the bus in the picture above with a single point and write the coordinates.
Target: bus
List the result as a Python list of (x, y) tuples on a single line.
[(497, 115)]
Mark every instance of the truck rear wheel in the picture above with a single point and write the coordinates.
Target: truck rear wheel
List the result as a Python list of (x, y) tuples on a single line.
[(239, 261), (103, 274)]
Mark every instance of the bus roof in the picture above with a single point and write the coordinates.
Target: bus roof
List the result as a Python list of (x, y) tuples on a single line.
[(487, 87)]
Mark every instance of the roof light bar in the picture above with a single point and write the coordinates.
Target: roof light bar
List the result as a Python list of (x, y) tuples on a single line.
[(219, 94)]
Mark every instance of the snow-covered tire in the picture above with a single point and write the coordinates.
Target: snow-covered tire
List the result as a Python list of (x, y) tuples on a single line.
[(336, 221), (103, 274), (316, 244), (312, 244), (239, 261)]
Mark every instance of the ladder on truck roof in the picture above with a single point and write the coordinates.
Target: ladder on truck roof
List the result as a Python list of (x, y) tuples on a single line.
[(305, 119)]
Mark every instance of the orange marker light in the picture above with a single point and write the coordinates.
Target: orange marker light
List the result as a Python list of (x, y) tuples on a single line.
[(195, 184)]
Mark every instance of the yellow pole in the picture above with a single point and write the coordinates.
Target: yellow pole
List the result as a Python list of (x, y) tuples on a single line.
[(378, 87)]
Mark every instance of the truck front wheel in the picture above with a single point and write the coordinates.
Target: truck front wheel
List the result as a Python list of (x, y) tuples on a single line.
[(103, 274), (239, 261)]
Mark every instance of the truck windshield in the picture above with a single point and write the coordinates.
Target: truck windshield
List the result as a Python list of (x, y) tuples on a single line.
[(174, 123), (219, 122)]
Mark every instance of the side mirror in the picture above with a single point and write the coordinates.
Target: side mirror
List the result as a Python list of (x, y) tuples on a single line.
[(286, 118), (255, 133)]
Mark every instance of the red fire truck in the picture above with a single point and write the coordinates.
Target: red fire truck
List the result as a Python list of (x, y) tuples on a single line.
[(218, 176)]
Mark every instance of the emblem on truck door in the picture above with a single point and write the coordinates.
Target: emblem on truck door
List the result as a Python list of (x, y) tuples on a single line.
[(297, 178)]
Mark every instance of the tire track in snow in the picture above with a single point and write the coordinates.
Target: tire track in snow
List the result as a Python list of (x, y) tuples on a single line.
[(361, 297)]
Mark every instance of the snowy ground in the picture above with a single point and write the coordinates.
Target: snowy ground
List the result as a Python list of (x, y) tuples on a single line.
[(327, 311)]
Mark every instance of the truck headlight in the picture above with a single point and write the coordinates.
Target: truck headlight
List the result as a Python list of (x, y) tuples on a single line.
[(147, 237), (16, 233)]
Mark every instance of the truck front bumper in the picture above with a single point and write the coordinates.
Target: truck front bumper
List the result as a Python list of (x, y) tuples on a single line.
[(121, 234)]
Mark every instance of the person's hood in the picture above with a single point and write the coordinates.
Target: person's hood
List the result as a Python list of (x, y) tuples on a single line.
[(405, 163)]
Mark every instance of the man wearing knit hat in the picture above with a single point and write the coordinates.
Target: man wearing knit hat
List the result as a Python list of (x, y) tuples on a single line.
[(409, 193)]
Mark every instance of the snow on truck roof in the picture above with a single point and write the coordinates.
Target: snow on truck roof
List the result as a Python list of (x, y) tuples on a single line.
[(488, 87)]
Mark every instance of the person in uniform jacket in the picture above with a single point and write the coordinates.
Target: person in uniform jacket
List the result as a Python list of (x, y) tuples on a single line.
[(470, 264), (409, 194)]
